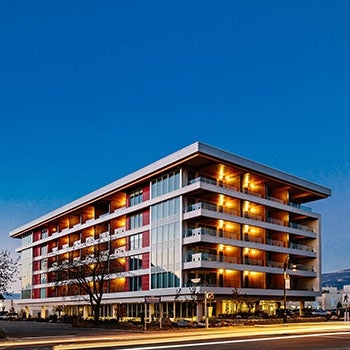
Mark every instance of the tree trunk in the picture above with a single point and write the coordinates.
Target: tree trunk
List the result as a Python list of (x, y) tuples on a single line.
[(96, 309)]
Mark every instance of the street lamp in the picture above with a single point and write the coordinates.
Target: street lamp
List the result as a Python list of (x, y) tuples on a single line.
[(2, 304), (286, 280)]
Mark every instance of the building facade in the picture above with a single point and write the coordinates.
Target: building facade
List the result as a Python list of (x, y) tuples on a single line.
[(199, 222)]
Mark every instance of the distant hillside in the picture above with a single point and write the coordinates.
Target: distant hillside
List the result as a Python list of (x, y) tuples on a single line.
[(336, 279)]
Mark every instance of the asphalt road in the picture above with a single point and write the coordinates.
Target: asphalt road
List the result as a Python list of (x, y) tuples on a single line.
[(43, 336)]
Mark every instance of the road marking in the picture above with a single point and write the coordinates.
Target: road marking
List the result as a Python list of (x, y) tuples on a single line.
[(221, 342)]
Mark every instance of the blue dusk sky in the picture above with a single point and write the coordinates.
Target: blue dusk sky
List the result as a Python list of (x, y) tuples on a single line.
[(93, 90)]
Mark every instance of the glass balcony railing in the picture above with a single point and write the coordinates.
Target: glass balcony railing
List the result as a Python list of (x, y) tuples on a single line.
[(301, 247), (246, 261), (211, 232), (212, 257), (231, 211), (213, 207), (215, 182)]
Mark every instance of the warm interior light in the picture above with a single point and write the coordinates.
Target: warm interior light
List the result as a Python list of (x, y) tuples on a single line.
[(246, 206), (221, 172), (221, 247), (221, 271)]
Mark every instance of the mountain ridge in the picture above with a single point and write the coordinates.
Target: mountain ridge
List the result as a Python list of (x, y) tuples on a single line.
[(336, 279)]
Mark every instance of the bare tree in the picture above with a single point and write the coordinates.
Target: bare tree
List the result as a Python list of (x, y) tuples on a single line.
[(89, 275), (8, 271)]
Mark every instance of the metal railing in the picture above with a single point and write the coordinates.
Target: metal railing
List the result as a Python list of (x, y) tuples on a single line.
[(215, 182)]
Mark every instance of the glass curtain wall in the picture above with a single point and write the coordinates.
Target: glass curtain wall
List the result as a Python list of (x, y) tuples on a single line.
[(165, 234)]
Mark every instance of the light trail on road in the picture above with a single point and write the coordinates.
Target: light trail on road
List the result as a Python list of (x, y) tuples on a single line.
[(211, 343)]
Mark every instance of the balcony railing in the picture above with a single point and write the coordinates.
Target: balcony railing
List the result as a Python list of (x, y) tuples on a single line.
[(213, 207), (211, 232), (301, 247), (276, 221), (249, 238), (250, 261), (230, 211), (275, 242), (212, 257), (215, 182)]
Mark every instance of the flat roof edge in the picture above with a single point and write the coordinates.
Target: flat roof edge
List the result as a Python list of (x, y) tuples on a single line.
[(173, 157), (193, 148), (244, 162)]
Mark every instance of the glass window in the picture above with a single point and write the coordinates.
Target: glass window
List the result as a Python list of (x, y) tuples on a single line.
[(43, 250), (135, 283), (43, 264), (136, 241), (136, 262), (165, 183), (136, 221), (136, 197), (42, 292), (44, 233)]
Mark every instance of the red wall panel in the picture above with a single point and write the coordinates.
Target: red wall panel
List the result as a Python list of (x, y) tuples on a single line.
[(145, 261), (145, 282), (145, 217), (145, 239), (145, 193)]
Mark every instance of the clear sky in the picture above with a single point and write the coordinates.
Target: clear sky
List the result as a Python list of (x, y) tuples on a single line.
[(93, 90)]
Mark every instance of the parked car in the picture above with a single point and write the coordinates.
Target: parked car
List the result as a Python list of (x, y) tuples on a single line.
[(4, 315), (319, 312)]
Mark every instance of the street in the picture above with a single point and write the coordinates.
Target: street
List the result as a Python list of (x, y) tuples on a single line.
[(324, 336)]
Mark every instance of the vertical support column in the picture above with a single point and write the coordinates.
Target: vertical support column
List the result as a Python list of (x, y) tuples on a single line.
[(43, 312), (85, 312), (301, 308), (199, 310)]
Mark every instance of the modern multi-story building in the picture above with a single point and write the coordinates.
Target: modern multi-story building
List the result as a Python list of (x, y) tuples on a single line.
[(199, 222)]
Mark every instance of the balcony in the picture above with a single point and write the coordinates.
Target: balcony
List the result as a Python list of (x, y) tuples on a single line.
[(77, 243), (211, 181), (215, 182), (90, 239), (212, 207), (119, 230), (104, 235), (251, 261), (302, 247), (119, 251), (212, 257), (249, 238), (203, 231)]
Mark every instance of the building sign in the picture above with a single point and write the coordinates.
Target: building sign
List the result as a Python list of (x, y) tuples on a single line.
[(210, 295), (152, 300)]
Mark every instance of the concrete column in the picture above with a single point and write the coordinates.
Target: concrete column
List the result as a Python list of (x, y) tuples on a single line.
[(115, 310), (199, 311), (43, 312), (85, 312), (219, 306), (302, 307)]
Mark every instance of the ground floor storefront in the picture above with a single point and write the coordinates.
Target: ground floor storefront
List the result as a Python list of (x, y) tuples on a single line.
[(154, 309)]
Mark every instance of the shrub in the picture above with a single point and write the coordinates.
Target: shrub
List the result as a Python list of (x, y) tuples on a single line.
[(2, 333)]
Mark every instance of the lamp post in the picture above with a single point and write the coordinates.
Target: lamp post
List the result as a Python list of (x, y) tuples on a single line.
[(2, 304), (286, 280)]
